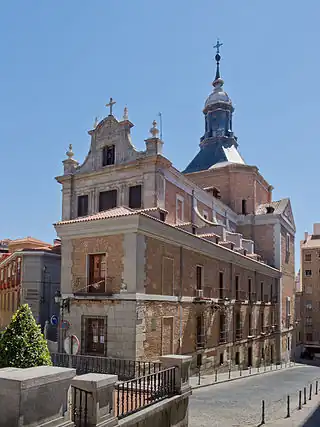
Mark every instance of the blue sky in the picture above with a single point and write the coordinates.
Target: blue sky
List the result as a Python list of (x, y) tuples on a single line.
[(62, 60)]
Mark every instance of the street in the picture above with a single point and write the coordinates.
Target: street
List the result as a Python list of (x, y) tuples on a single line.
[(238, 403)]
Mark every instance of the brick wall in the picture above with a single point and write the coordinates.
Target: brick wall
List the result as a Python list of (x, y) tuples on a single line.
[(170, 203), (111, 245)]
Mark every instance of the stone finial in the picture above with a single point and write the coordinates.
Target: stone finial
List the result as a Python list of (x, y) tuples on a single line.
[(96, 121), (154, 130), (125, 114), (70, 153)]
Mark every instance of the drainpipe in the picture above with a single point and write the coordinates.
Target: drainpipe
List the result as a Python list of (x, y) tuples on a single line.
[(180, 302)]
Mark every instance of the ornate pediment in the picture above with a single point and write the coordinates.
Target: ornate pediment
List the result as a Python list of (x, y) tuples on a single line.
[(108, 132)]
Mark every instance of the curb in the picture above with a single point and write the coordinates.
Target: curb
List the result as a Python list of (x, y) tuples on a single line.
[(195, 387)]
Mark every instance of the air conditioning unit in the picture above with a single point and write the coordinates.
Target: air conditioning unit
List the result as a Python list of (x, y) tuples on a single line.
[(199, 293)]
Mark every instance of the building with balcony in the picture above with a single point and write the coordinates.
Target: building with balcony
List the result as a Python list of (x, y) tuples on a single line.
[(157, 261), (29, 273), (309, 292)]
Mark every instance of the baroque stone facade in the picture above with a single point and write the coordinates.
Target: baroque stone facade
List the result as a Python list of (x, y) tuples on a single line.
[(156, 261)]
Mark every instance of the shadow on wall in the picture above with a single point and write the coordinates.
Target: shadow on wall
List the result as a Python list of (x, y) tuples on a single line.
[(313, 420)]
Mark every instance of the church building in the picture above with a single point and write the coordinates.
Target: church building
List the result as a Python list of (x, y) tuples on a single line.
[(157, 261)]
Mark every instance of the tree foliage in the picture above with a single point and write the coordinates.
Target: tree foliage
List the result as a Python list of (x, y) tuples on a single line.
[(22, 344)]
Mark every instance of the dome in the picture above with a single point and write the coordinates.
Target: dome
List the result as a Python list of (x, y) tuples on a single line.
[(218, 95)]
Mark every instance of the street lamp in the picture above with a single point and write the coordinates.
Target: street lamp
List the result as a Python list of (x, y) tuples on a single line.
[(64, 303)]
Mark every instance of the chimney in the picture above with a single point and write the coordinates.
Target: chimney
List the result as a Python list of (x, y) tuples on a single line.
[(305, 236)]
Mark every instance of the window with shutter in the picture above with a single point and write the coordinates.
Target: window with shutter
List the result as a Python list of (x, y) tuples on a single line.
[(107, 200), (135, 197)]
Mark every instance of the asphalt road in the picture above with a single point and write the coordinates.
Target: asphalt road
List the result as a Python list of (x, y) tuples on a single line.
[(238, 403)]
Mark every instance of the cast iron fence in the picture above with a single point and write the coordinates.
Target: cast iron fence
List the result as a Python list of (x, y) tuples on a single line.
[(125, 369), (80, 406), (133, 395)]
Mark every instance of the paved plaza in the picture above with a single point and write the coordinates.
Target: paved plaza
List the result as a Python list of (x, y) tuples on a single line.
[(238, 403)]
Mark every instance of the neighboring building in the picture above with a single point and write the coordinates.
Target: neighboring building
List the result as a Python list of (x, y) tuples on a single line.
[(4, 246), (156, 261), (310, 290), (29, 273)]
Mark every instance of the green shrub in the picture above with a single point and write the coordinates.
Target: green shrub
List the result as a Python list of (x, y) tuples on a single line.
[(22, 345)]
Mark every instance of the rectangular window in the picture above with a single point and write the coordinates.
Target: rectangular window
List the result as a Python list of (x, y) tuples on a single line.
[(83, 205), (200, 334), (135, 197), (308, 273), (222, 328), (108, 155), (262, 321), (250, 325), (244, 207), (179, 208), (309, 305), (261, 291), (221, 358), (309, 321), (271, 292), (199, 276), (107, 200), (309, 337), (250, 289), (288, 306), (238, 326), (97, 273), (237, 288), (288, 243), (307, 257), (221, 284), (95, 336)]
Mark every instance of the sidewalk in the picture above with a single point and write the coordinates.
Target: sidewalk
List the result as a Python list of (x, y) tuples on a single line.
[(308, 416), (218, 378)]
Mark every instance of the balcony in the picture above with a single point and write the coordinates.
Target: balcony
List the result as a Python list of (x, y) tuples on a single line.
[(199, 296), (238, 334), (221, 293), (252, 297), (241, 295), (265, 298), (201, 341), (100, 286), (222, 337), (252, 333)]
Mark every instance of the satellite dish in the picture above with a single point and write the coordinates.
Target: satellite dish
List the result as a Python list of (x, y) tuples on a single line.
[(71, 344)]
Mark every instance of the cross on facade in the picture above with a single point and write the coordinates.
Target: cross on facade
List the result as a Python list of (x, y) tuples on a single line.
[(218, 45), (111, 104)]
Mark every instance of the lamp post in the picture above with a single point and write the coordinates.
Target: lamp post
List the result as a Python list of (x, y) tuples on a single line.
[(64, 304)]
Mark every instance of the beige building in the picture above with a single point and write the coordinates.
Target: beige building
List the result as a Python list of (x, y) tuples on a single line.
[(157, 261), (310, 291)]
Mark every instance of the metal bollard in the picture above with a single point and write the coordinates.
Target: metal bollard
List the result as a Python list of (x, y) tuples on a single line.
[(288, 406), (216, 376), (199, 376), (249, 370), (304, 395), (240, 372), (300, 400), (317, 387), (310, 391), (229, 373), (262, 414)]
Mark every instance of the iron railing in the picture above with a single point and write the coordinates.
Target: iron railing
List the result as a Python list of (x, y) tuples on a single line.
[(125, 369), (134, 395), (80, 402)]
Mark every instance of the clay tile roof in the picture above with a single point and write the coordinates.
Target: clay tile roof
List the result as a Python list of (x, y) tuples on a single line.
[(278, 206), (111, 213)]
